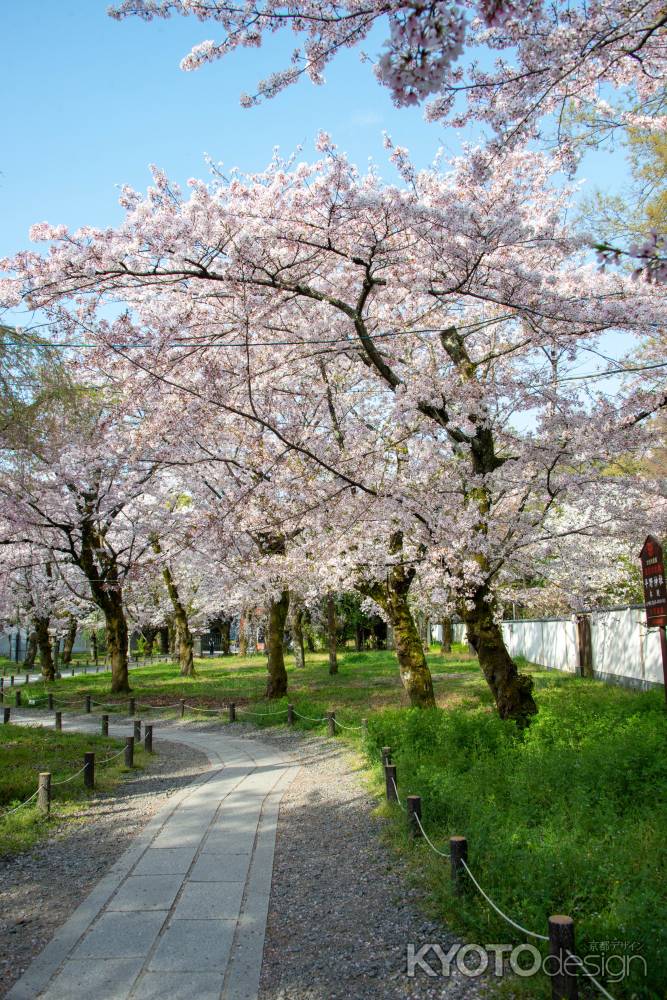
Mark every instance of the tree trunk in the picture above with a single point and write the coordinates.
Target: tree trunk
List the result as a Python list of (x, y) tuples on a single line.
[(69, 640), (512, 691), (30, 650), (297, 634), (41, 625), (331, 633), (184, 637), (117, 643), (358, 638), (149, 633), (225, 635), (93, 643), (392, 596), (446, 644), (277, 681), (243, 636)]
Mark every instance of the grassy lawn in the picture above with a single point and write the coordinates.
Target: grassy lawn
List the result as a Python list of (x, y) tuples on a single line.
[(27, 750), (568, 817)]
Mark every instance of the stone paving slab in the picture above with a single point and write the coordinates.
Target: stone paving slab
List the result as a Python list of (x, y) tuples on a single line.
[(182, 914)]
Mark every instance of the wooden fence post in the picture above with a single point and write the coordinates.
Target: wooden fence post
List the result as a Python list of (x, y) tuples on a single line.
[(49, 702), (364, 727), (137, 730), (88, 704), (561, 947), (6, 712), (290, 715), (18, 698), (148, 739), (89, 770), (232, 712), (58, 721), (130, 706), (182, 707), (390, 782), (105, 725), (129, 751), (44, 792), (331, 723), (386, 755), (458, 852)]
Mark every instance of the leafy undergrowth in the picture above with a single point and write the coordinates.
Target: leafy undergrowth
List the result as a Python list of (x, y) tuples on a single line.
[(567, 817), (27, 750)]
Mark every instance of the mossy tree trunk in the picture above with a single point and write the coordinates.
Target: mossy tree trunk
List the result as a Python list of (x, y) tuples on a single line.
[(225, 636), (296, 624), (276, 685), (184, 636), (331, 633), (512, 691), (392, 596), (447, 635), (41, 626), (31, 650), (70, 637)]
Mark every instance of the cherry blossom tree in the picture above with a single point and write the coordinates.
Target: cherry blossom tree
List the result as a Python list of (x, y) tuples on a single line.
[(437, 309), (550, 58)]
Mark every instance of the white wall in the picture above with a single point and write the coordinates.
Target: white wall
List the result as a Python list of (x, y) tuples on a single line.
[(8, 640), (624, 650)]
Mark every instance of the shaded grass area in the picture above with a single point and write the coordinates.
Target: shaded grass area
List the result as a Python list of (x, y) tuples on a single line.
[(27, 750)]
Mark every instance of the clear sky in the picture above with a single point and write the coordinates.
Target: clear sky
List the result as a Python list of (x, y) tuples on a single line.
[(89, 102)]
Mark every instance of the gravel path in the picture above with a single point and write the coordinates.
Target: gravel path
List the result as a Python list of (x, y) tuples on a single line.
[(341, 911), (41, 888)]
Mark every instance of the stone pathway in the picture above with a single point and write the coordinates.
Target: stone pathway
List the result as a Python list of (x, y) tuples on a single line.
[(183, 912)]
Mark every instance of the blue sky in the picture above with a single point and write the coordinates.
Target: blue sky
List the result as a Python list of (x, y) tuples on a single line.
[(90, 102)]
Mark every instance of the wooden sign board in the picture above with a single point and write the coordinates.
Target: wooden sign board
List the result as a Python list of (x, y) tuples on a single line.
[(655, 586)]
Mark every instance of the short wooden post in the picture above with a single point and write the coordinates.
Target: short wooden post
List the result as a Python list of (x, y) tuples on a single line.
[(44, 792), (129, 751), (562, 967), (85, 668), (182, 707), (2, 682), (105, 725), (11, 680), (458, 853), (331, 723), (232, 712), (137, 730), (58, 720), (18, 699), (390, 782), (6, 714), (148, 739), (27, 678), (130, 707), (89, 770), (386, 755), (414, 814), (290, 715), (364, 727), (49, 702), (88, 703)]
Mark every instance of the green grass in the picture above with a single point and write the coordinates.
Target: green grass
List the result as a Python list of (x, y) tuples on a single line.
[(27, 750), (569, 816)]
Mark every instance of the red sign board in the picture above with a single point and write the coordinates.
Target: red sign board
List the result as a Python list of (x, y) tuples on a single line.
[(655, 588)]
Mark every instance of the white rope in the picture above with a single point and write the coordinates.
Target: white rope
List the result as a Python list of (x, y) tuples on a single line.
[(590, 976), (214, 711), (64, 781), (540, 937), (113, 757), (308, 718), (398, 799), (344, 726), (428, 839), (20, 806), (263, 715)]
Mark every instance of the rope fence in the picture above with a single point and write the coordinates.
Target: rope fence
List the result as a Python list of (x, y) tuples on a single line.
[(561, 928)]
